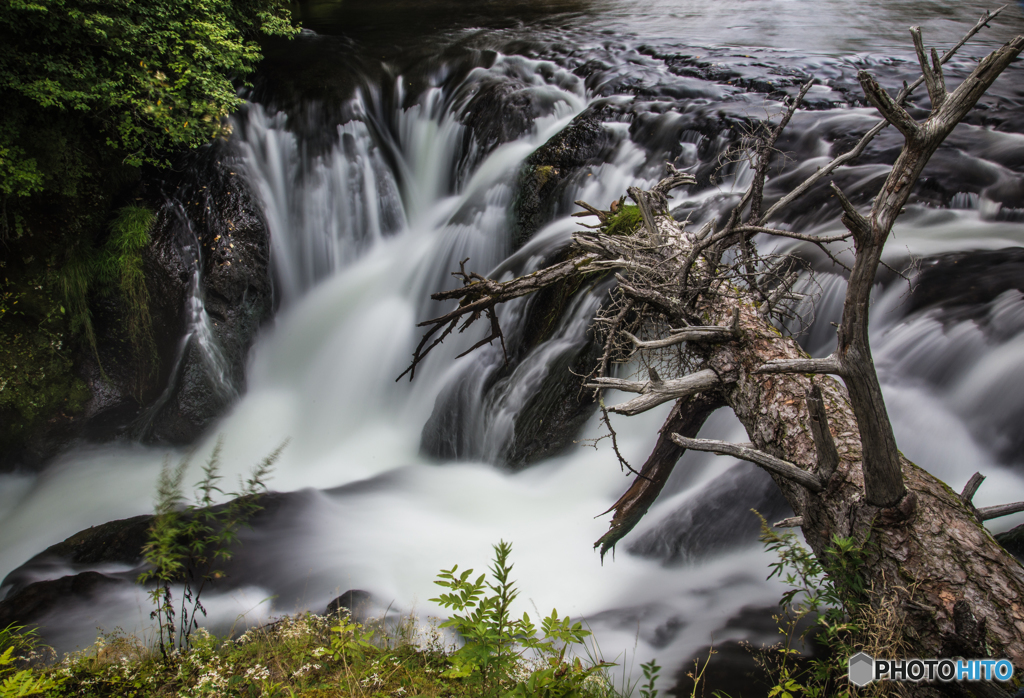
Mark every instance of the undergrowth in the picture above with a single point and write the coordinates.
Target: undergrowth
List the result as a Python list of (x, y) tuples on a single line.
[(828, 598), (116, 267), (187, 542), (334, 656)]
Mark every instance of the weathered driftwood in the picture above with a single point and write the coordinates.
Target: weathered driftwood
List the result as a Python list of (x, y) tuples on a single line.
[(826, 442)]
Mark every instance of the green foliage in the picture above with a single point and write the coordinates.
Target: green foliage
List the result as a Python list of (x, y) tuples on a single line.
[(186, 542), (831, 593), (651, 671), (15, 682), (37, 380), (495, 642), (350, 639), (291, 656), (138, 78), (625, 221), (312, 655), (120, 265), (116, 267), (92, 90)]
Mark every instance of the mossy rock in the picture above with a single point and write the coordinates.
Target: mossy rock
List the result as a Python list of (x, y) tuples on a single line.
[(546, 171)]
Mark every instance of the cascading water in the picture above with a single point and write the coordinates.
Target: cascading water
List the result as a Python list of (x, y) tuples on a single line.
[(365, 227), (198, 329)]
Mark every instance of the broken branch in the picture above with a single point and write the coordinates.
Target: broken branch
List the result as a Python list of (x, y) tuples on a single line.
[(653, 393), (769, 462)]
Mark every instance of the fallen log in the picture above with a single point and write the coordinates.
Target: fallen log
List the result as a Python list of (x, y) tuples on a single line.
[(818, 426)]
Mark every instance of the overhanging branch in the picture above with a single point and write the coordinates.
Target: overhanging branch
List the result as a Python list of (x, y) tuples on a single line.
[(768, 462), (654, 393), (986, 513)]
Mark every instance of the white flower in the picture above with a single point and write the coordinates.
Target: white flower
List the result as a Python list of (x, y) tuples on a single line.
[(257, 673), (372, 681), (305, 669)]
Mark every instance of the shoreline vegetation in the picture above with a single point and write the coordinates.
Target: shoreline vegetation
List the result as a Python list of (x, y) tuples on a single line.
[(489, 654), (100, 99)]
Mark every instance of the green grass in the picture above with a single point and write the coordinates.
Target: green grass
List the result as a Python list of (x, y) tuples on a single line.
[(303, 655)]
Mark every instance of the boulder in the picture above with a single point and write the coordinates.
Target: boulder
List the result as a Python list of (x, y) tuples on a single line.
[(543, 176), (356, 602), (231, 245)]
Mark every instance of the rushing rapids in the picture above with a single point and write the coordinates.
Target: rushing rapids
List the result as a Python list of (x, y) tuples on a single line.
[(378, 176)]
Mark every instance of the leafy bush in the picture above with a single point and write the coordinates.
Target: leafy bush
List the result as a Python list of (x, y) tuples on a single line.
[(832, 595), (495, 643), (15, 682), (140, 78)]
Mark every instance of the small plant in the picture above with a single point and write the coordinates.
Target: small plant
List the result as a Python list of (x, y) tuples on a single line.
[(651, 671), (187, 542), (495, 642), (832, 594), (15, 682)]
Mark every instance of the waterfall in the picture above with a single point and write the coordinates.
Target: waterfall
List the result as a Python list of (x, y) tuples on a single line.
[(366, 228)]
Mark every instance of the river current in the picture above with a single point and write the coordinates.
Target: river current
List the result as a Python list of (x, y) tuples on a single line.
[(376, 177)]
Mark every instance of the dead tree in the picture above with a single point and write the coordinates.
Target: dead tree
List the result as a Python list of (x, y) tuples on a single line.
[(696, 309)]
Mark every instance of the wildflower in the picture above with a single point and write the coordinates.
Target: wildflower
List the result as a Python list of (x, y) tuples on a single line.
[(305, 669), (257, 673)]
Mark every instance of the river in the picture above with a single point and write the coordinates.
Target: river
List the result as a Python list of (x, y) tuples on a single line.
[(376, 179)]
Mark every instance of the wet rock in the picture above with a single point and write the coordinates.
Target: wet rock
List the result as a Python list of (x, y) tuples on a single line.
[(716, 522), (546, 171), (121, 378), (356, 602), (115, 542), (1013, 541), (550, 421), (168, 390), (37, 600), (237, 293), (557, 407), (108, 555), (499, 112), (967, 279)]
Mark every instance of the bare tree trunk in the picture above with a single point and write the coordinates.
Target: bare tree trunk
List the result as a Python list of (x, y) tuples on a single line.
[(827, 443)]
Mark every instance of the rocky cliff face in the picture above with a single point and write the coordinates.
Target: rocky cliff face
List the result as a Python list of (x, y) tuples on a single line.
[(230, 244), (208, 279)]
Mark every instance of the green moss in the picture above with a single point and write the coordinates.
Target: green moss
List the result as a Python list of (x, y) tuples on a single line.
[(120, 266), (625, 222), (544, 173), (116, 267)]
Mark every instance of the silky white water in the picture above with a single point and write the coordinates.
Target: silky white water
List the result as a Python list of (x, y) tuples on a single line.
[(362, 234)]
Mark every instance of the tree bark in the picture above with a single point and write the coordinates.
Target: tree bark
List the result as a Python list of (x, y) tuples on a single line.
[(827, 443)]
